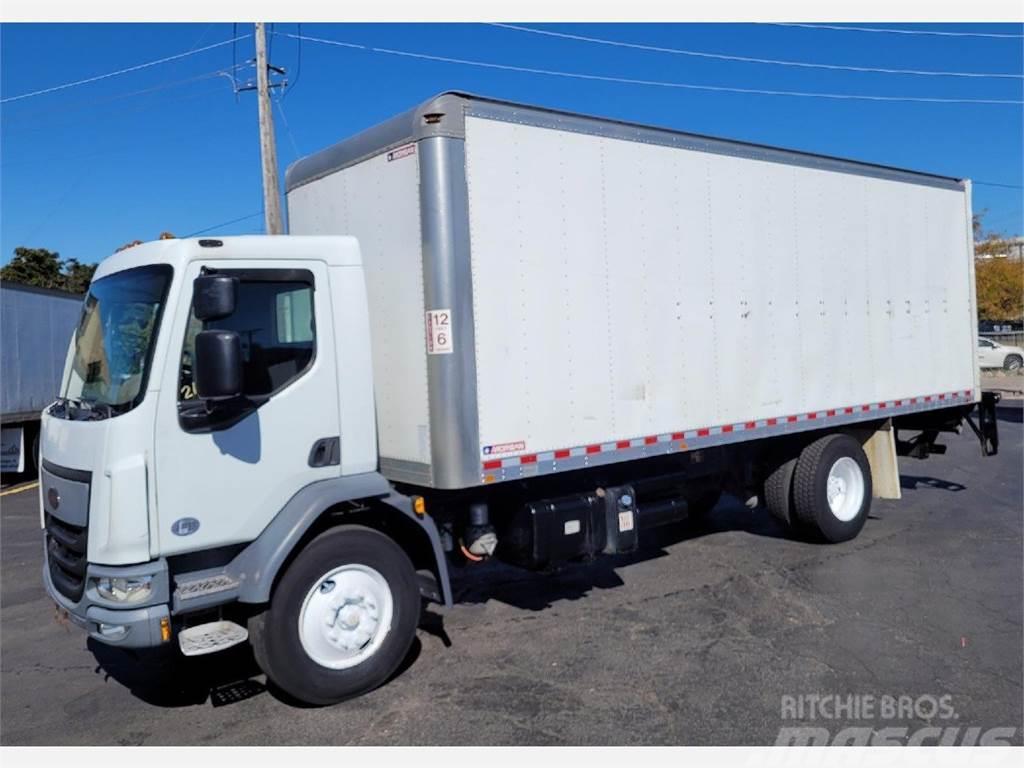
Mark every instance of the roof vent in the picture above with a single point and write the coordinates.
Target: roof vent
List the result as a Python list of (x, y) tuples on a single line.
[(211, 243), (433, 118)]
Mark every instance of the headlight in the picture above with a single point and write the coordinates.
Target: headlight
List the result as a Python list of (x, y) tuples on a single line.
[(125, 590)]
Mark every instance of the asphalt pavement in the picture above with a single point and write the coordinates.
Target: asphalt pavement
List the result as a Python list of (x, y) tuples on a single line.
[(712, 636)]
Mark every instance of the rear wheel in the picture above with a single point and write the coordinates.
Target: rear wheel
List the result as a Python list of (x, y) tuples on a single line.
[(341, 619), (778, 492), (832, 488), (1013, 362)]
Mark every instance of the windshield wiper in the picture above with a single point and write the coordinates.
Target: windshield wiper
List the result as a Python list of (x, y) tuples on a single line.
[(94, 410)]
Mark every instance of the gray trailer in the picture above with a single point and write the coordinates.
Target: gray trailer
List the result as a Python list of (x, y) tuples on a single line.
[(36, 324)]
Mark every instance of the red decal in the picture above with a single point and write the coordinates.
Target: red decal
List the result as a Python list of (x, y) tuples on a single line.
[(750, 425), (830, 412), (593, 449), (622, 444), (772, 422), (865, 407), (650, 440), (529, 459), (562, 453), (677, 435), (848, 410), (791, 419), (703, 432), (928, 399), (942, 397), (492, 464), (727, 428), (967, 393), (898, 402)]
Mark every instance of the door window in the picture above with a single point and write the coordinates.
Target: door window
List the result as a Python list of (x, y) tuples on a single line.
[(274, 319)]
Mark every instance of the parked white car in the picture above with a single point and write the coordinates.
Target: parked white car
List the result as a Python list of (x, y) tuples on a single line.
[(992, 354)]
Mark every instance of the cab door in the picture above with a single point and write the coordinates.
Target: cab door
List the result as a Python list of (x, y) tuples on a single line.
[(221, 480)]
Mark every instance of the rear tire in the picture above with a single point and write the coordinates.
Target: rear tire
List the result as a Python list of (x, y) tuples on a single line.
[(1013, 362), (341, 619), (778, 492), (832, 488)]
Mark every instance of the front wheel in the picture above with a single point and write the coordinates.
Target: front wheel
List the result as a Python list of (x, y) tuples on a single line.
[(832, 488), (342, 618), (1013, 362)]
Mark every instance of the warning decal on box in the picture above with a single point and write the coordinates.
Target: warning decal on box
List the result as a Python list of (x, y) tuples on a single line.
[(439, 332), (518, 445), (398, 154)]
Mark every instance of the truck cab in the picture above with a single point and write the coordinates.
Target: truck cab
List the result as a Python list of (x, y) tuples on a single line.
[(157, 483)]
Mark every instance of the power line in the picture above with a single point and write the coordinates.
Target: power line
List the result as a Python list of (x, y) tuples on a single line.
[(657, 83), (224, 224), (749, 59), (116, 97), (284, 120), (118, 72), (298, 66), (896, 31), (996, 184)]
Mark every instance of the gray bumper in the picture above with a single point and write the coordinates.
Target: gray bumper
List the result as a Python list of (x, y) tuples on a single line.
[(141, 623)]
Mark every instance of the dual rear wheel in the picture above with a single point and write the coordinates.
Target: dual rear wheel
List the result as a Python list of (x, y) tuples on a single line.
[(824, 491)]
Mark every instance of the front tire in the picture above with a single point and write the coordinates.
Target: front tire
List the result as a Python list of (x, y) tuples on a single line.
[(832, 488), (1012, 362), (342, 618)]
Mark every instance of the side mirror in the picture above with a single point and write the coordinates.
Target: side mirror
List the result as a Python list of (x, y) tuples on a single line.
[(218, 365), (213, 296)]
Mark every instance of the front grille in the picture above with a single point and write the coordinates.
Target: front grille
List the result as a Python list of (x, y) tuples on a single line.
[(65, 556)]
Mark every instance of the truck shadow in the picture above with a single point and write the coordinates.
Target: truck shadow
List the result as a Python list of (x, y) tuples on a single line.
[(1013, 414), (913, 482), (537, 591), (164, 678)]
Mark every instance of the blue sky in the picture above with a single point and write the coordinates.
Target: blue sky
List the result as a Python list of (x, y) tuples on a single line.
[(88, 168)]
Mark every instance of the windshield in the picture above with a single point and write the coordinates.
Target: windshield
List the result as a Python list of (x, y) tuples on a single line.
[(113, 343)]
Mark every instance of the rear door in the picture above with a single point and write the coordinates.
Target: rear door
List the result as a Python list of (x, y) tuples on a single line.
[(221, 483)]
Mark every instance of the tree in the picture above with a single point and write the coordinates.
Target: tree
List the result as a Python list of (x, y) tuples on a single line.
[(1000, 286), (77, 275), (45, 269), (34, 266)]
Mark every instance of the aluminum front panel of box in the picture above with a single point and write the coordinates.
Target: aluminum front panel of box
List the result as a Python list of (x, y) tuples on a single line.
[(377, 200)]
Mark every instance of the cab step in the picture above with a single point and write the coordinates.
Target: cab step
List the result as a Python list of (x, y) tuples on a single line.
[(210, 638)]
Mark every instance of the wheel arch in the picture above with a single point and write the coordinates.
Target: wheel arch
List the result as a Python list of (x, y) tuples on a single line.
[(366, 499)]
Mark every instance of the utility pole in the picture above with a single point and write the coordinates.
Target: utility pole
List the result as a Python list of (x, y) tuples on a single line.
[(268, 146)]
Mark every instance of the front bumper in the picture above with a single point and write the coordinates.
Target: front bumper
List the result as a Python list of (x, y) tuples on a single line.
[(141, 623)]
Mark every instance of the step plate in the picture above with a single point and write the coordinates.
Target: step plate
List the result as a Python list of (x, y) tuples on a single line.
[(210, 638)]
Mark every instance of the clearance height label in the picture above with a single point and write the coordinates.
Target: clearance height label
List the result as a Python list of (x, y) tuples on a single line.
[(439, 332)]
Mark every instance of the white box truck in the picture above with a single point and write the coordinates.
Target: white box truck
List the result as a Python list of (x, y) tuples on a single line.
[(494, 331)]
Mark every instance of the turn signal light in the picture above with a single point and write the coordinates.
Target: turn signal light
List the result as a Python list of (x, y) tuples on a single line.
[(165, 629), (419, 506)]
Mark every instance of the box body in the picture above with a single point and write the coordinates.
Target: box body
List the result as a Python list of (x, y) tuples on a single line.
[(550, 291)]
